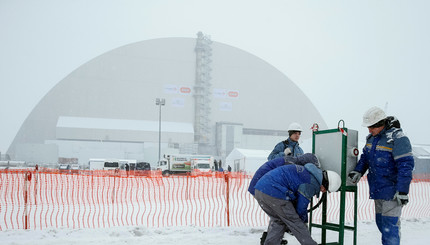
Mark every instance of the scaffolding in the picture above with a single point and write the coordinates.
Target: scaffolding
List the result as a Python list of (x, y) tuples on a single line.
[(202, 93)]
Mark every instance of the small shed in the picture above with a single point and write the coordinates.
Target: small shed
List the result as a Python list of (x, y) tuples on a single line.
[(248, 160)]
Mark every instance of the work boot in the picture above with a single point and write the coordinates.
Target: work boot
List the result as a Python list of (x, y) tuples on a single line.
[(263, 238)]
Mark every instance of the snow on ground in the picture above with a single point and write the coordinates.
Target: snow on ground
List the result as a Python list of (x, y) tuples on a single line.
[(414, 231)]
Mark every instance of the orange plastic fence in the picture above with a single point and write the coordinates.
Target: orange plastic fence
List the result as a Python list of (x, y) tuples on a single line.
[(90, 199)]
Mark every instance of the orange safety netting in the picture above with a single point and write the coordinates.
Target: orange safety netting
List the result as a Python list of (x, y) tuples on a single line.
[(46, 198)]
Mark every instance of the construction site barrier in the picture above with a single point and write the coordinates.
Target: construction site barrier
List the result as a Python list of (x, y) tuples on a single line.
[(47, 198)]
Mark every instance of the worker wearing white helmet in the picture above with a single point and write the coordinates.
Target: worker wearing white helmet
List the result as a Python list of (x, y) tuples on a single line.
[(290, 146), (284, 194), (387, 156)]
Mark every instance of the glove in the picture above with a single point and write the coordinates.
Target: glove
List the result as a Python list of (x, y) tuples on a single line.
[(401, 198), (287, 151), (354, 177)]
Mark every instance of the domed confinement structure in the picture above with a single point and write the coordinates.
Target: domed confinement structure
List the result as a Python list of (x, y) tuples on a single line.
[(212, 99)]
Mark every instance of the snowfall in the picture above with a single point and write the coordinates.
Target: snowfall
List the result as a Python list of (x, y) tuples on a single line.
[(413, 231)]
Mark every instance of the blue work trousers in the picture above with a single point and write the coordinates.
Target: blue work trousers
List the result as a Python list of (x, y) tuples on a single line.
[(388, 220)]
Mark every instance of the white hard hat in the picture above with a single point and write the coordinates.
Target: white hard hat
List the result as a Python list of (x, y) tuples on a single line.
[(334, 181), (372, 116), (295, 127)]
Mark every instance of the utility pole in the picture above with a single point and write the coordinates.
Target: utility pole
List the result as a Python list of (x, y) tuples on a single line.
[(160, 102)]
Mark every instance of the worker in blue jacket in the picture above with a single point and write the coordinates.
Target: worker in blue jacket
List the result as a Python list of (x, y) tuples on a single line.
[(290, 146), (277, 162), (387, 156), (285, 192)]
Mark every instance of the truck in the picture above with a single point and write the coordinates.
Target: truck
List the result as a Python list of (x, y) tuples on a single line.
[(204, 164), (182, 164)]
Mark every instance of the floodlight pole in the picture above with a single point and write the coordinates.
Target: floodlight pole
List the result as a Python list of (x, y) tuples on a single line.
[(160, 102)]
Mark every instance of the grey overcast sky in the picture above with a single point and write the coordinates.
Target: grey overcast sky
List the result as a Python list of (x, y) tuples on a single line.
[(346, 56)]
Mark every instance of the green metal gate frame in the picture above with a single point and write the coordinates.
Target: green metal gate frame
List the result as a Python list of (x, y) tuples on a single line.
[(341, 227)]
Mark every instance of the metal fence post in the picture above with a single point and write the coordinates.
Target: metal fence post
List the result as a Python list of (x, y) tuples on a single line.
[(27, 178), (226, 177)]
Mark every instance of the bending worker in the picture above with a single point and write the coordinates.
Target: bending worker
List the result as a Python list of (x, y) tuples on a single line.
[(284, 194), (277, 162), (290, 146), (388, 157)]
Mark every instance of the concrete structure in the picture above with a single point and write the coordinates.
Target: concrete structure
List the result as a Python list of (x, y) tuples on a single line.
[(109, 103)]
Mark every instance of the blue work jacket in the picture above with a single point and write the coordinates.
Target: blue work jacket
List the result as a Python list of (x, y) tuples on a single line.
[(293, 183), (278, 151), (388, 157), (266, 167), (280, 161)]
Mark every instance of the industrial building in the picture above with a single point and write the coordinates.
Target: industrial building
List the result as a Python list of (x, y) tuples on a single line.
[(164, 96)]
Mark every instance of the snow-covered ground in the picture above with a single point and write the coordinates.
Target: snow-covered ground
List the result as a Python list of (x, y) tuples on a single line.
[(414, 231)]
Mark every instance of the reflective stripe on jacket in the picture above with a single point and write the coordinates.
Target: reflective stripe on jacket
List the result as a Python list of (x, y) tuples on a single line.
[(388, 157)]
